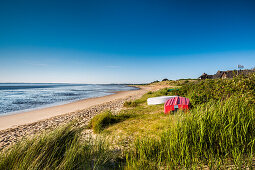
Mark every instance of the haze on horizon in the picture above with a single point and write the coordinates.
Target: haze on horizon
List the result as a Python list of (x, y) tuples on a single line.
[(126, 41)]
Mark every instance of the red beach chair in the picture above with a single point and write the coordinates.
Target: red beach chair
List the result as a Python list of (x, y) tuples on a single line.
[(176, 103)]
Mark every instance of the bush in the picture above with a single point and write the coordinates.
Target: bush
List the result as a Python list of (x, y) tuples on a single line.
[(217, 89), (156, 81), (131, 103), (101, 121)]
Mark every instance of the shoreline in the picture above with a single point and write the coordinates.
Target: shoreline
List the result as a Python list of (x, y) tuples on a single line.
[(19, 118), (114, 102), (61, 103), (16, 127)]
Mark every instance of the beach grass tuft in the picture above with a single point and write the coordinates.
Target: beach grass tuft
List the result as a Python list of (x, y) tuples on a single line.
[(131, 104), (107, 118)]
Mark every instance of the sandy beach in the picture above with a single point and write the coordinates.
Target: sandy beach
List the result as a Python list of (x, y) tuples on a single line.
[(14, 127), (14, 120)]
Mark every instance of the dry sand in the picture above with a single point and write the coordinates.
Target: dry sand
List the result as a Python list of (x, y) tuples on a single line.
[(14, 120), (15, 127)]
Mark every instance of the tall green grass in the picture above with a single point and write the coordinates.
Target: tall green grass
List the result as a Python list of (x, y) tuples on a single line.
[(60, 149), (212, 134)]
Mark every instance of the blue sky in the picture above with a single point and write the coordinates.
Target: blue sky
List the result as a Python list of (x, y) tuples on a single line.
[(123, 41)]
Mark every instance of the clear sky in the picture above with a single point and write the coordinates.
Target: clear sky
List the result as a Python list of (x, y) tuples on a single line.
[(123, 41)]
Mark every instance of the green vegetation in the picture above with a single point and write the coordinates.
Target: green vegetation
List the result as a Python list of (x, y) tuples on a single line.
[(212, 134), (131, 104), (205, 90), (107, 118), (217, 132), (149, 121), (60, 149)]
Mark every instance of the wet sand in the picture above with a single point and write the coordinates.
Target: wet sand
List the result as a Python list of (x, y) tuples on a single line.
[(17, 126), (14, 120)]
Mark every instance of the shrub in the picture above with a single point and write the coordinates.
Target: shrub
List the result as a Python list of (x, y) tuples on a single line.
[(102, 120), (150, 92), (131, 103), (156, 81), (218, 89)]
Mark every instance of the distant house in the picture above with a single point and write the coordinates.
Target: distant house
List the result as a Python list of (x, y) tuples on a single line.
[(205, 76), (226, 74)]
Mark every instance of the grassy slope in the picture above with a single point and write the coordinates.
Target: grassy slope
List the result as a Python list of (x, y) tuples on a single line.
[(217, 132), (148, 122), (60, 149), (144, 120)]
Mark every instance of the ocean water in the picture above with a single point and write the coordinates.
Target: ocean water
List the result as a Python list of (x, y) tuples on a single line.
[(18, 97)]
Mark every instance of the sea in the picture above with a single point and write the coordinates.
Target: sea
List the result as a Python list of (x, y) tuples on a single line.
[(20, 97)]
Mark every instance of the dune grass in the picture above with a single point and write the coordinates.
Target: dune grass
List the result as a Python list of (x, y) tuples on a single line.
[(59, 149), (149, 121), (107, 118), (213, 135), (217, 132)]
